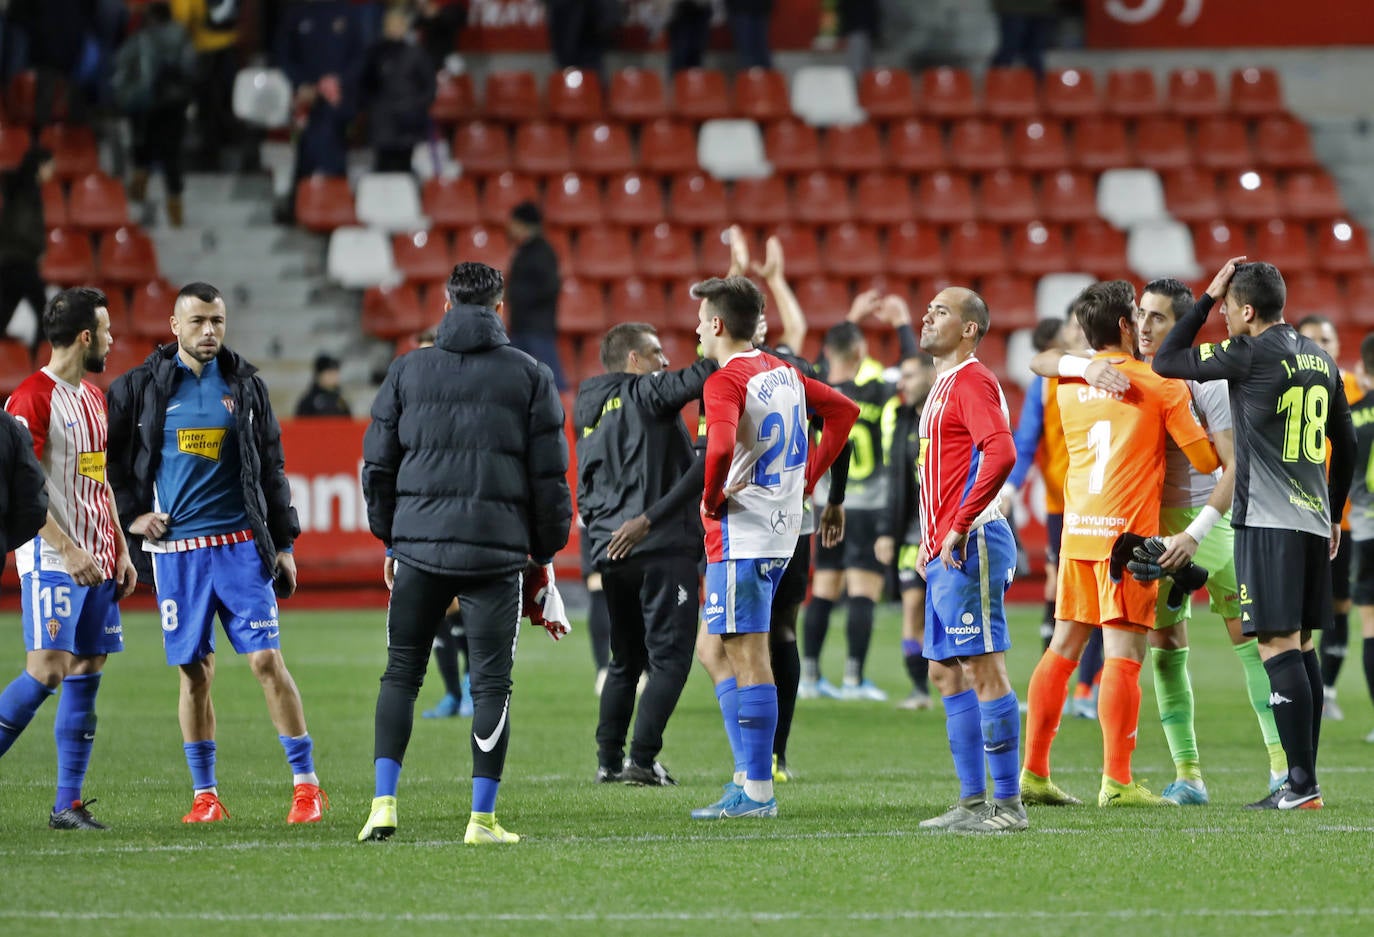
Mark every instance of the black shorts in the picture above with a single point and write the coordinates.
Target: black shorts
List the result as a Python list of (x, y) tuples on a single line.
[(584, 543), (908, 575), (1284, 578), (1363, 590), (1340, 569), (792, 587), (1054, 536), (855, 551)]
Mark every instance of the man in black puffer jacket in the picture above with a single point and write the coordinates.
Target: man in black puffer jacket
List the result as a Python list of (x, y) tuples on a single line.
[(465, 476)]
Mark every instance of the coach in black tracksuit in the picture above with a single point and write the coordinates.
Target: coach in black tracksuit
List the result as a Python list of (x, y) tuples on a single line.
[(632, 450), (465, 476)]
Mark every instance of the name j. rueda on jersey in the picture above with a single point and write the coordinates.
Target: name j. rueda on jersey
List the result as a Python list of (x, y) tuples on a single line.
[(1093, 525), (206, 442)]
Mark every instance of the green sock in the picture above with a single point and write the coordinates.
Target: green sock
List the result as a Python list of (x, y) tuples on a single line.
[(1257, 683), (1174, 694)]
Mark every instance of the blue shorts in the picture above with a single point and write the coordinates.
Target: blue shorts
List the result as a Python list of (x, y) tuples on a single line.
[(965, 613), (739, 595), (59, 615), (194, 586)]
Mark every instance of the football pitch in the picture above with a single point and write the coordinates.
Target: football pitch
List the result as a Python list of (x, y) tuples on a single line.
[(844, 856)]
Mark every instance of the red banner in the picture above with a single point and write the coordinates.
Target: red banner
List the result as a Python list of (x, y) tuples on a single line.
[(1116, 24)]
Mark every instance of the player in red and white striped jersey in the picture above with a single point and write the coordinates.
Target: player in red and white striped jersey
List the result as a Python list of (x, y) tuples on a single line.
[(77, 568)]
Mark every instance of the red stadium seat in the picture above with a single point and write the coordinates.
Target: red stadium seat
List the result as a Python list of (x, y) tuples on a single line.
[(887, 94), (915, 250), (977, 146), (1099, 143), (883, 198), (824, 301), (1191, 194), (915, 145), (852, 251), (604, 253), (947, 94), (581, 307), (511, 96), (1249, 196), (633, 299), (323, 203), (561, 241), (1010, 94), (54, 204), (764, 201), (666, 147), (976, 250), (1285, 143), (700, 94), (1038, 249), (1217, 241), (482, 148), (1067, 195), (502, 193), (14, 365), (1007, 197), (123, 357), (1223, 143), (792, 146), (450, 203), (455, 99), (945, 198), (637, 95), (822, 198), (1161, 143), (482, 244), (715, 254), (14, 143), (603, 149), (98, 201), (666, 252), (1342, 247), (392, 312), (1010, 300), (1131, 93), (761, 95), (697, 200), (1099, 248), (69, 260), (800, 250), (852, 149), (1313, 294), (1071, 92), (127, 256), (1193, 93), (1310, 195), (422, 256), (1256, 92), (1039, 145), (1284, 245), (73, 149), (118, 308), (575, 95), (542, 148), (151, 308), (633, 199), (573, 200), (1359, 298)]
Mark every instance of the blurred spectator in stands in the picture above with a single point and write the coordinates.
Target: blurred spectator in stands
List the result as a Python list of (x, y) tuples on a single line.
[(580, 31), (63, 51), (214, 29), (395, 91), (688, 24), (24, 238), (860, 21), (749, 26), (154, 82), (532, 290), (1025, 29), (324, 397), (439, 23)]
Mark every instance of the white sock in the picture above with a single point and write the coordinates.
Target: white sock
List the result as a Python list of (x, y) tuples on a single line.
[(761, 791), (206, 790), (739, 778), (310, 778)]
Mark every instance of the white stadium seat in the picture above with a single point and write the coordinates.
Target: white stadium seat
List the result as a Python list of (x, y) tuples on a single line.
[(826, 95), (1055, 291), (732, 149), (1128, 196), (1162, 249), (361, 257), (262, 97), (390, 201)]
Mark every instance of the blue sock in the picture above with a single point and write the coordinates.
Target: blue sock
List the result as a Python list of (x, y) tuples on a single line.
[(727, 694), (388, 777), (298, 753), (18, 702), (200, 758), (912, 647), (484, 795), (758, 722), (1002, 744), (966, 742), (74, 730)]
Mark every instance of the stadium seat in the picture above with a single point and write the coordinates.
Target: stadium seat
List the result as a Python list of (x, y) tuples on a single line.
[(603, 253), (1223, 143), (14, 143), (127, 256), (915, 145), (360, 257), (666, 252), (697, 200), (1193, 93), (852, 149), (1037, 249), (799, 247), (1016, 367), (542, 148), (575, 95), (1256, 92), (1010, 94), (1100, 143), (1007, 197), (422, 255), (1055, 292), (976, 250), (502, 193), (1131, 93), (1071, 92), (573, 201), (152, 305), (73, 149), (1310, 195), (430, 159), (262, 97), (667, 147), (914, 250), (1126, 196), (1342, 247), (823, 300), (482, 148), (945, 198), (732, 149), (1161, 249), (1162, 143), (763, 201), (822, 198), (634, 299), (947, 94), (977, 146), (1098, 248), (637, 95), (761, 95), (560, 240), (69, 260), (1216, 241), (392, 312), (1191, 194), (635, 200), (887, 94), (714, 259), (826, 96), (511, 96), (1249, 196), (54, 204), (450, 203), (97, 201), (1359, 298), (1312, 294), (1286, 246), (1039, 145), (455, 98), (1285, 144), (700, 94), (487, 244), (883, 198), (852, 251), (14, 365), (581, 307), (389, 201), (1010, 300), (602, 149), (792, 146), (1067, 195)]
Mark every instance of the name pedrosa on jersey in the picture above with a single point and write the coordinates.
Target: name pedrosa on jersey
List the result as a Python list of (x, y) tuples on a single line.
[(771, 381), (206, 442)]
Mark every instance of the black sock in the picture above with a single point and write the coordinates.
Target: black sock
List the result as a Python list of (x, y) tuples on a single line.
[(1290, 699), (815, 626), (787, 675), (1369, 665), (599, 627), (1334, 642), (446, 657), (1090, 664), (859, 631), (1314, 680), (1047, 626), (918, 669)]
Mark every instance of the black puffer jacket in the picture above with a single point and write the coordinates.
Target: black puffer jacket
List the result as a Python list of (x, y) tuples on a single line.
[(465, 462), (23, 489), (138, 414)]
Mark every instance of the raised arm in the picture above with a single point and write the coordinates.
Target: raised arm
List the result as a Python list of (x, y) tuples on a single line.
[(1177, 357), (789, 310)]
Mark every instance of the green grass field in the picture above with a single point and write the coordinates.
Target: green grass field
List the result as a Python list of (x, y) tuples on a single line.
[(845, 855)]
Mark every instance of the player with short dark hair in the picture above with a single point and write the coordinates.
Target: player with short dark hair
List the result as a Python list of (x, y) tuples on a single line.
[(1362, 514)]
